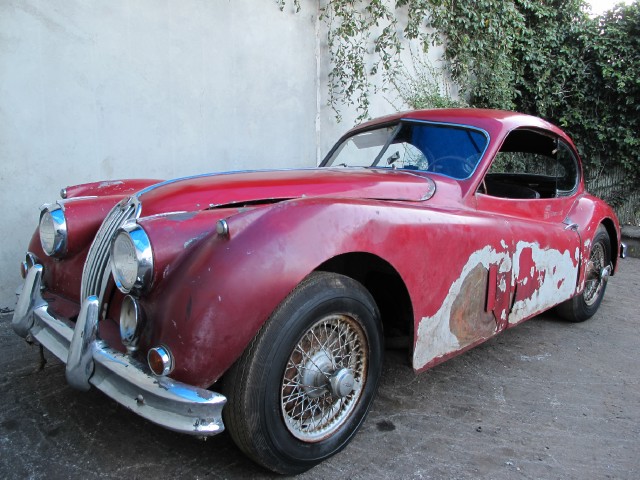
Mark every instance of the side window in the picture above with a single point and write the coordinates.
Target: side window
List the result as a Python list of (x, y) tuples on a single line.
[(532, 165), (568, 175)]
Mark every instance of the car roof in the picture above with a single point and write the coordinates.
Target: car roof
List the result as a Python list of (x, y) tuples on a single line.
[(492, 121)]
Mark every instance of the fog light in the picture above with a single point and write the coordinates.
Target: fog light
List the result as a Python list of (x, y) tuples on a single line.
[(131, 322), (160, 360)]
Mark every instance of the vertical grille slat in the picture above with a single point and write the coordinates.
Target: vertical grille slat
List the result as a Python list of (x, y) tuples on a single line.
[(93, 274)]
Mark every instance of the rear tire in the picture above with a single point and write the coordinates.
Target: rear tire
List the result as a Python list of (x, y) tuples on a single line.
[(304, 385), (584, 305)]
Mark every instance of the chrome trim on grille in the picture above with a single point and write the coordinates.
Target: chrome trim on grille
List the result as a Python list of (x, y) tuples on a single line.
[(95, 274)]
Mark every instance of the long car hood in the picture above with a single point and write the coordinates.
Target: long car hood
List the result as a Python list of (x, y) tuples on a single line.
[(207, 191)]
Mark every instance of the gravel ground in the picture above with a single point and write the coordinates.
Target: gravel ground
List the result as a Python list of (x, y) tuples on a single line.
[(547, 399)]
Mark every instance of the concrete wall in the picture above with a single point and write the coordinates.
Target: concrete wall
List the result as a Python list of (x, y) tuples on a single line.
[(113, 89)]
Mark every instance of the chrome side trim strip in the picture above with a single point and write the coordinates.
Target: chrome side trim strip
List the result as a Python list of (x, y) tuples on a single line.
[(161, 400)]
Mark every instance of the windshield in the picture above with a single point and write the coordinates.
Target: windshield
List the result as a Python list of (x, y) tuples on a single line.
[(449, 150)]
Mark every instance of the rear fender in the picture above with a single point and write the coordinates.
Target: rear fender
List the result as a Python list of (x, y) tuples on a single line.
[(588, 213)]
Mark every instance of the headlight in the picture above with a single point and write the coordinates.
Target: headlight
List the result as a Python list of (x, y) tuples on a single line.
[(131, 259), (53, 230)]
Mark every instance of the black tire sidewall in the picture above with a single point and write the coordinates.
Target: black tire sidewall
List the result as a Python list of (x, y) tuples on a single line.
[(297, 319)]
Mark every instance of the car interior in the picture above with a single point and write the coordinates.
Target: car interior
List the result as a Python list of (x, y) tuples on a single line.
[(531, 165)]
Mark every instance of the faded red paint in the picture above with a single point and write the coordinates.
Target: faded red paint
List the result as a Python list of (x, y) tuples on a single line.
[(120, 188), (467, 259)]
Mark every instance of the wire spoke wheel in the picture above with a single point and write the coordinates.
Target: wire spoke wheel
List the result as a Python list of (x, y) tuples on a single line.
[(595, 281), (303, 387), (324, 378), (598, 269)]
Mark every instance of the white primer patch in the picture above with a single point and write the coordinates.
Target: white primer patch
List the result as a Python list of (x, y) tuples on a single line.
[(556, 277), (434, 338), (110, 183)]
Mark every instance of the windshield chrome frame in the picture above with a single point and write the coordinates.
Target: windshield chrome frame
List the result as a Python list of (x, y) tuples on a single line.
[(398, 125)]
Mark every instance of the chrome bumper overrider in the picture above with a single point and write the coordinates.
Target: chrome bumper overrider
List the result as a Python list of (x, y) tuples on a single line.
[(89, 361)]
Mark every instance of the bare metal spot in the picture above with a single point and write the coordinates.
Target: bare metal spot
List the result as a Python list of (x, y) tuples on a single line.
[(469, 321)]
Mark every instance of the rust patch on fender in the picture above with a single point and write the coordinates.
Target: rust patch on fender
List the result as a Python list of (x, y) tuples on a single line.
[(469, 319)]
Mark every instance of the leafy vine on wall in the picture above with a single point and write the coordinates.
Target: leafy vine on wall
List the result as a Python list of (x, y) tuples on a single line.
[(550, 59)]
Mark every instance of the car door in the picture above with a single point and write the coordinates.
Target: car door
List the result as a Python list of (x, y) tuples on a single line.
[(531, 185)]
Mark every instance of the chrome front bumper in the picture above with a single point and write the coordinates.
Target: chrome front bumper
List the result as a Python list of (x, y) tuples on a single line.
[(90, 361)]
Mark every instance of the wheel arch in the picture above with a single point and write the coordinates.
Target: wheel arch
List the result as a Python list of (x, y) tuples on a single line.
[(387, 288), (613, 238)]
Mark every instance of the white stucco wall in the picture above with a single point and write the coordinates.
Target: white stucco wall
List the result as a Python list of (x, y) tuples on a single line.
[(153, 89), (113, 89)]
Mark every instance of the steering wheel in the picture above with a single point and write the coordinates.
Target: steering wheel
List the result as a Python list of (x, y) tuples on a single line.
[(452, 166)]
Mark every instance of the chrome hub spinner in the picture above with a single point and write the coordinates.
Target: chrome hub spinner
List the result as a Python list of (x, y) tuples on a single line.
[(342, 382), (316, 374), (324, 378)]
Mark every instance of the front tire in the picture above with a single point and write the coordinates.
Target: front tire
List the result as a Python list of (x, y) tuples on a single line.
[(584, 305), (304, 385)]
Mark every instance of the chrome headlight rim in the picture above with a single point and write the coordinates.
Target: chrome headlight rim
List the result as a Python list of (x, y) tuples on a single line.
[(143, 253), (56, 223), (131, 322)]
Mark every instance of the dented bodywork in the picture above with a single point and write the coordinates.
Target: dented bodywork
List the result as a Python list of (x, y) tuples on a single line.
[(450, 262)]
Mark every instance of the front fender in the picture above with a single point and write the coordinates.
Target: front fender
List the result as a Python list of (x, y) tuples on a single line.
[(120, 188), (214, 302)]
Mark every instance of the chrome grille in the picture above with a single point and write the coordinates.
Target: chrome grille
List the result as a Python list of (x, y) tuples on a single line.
[(96, 269)]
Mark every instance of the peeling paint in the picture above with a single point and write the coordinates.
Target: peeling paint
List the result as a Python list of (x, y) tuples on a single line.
[(553, 277), (188, 243), (166, 271), (434, 337), (110, 184), (540, 277)]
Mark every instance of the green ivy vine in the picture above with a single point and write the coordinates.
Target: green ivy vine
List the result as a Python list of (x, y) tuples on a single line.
[(550, 59)]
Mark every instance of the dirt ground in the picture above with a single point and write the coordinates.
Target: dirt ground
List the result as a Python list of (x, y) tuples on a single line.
[(547, 399)]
